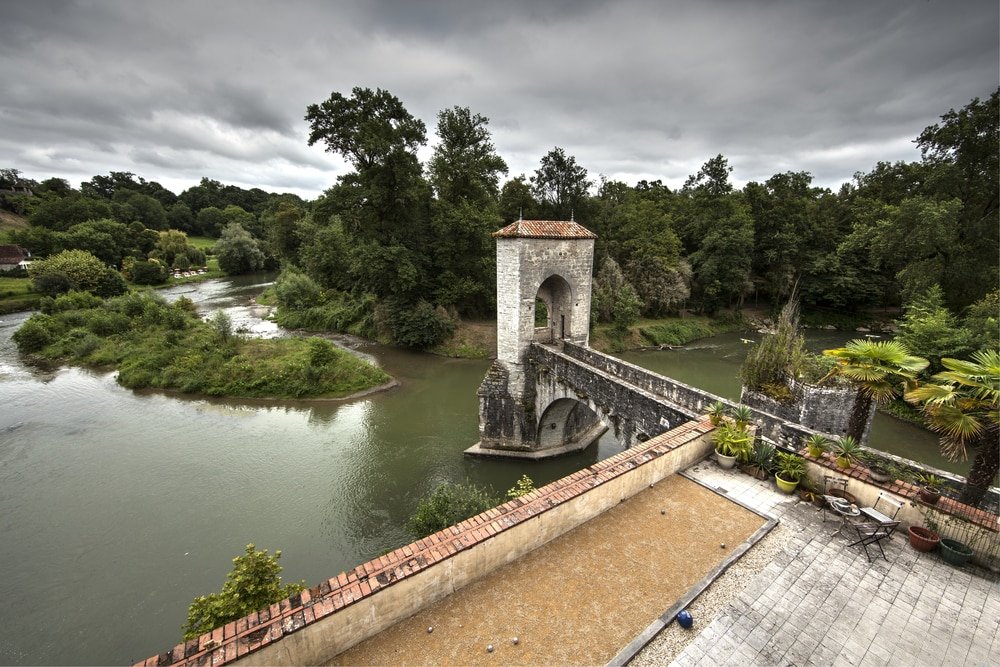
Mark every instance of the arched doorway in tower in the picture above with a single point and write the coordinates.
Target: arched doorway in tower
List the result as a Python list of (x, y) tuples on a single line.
[(556, 295)]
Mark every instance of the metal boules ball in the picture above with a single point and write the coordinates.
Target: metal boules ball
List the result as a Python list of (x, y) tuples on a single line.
[(489, 648), (430, 629), (515, 641), (685, 619), (722, 546)]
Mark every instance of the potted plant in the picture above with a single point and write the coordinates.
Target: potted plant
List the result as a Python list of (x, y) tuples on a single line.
[(809, 493), (817, 443), (954, 552), (717, 413), (923, 539), (791, 468), (762, 460), (731, 441), (743, 415), (931, 491), (847, 450), (878, 472)]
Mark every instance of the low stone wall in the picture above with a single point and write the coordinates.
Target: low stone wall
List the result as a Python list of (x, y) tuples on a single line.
[(313, 627)]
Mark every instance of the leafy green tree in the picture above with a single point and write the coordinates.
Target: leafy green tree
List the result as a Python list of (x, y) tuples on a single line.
[(80, 268), (716, 223), (138, 207), (173, 244), (61, 213), (962, 405), (283, 222), (559, 184), (179, 216), (210, 221), (878, 369), (931, 331), (614, 299), (150, 272), (238, 252), (464, 172), (447, 505), (961, 154), (982, 321), (252, 584), (384, 204), (517, 201), (297, 291)]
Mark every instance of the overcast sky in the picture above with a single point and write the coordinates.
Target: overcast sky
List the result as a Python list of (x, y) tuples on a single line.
[(174, 91)]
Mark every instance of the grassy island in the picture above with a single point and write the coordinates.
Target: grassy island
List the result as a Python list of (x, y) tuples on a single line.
[(167, 346)]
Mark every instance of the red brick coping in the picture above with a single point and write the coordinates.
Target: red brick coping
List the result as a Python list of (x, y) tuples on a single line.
[(251, 633), (946, 505)]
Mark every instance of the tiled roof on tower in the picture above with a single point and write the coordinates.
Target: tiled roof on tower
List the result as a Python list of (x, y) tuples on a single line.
[(544, 229)]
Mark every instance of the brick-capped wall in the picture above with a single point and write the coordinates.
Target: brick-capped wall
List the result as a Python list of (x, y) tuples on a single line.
[(329, 618)]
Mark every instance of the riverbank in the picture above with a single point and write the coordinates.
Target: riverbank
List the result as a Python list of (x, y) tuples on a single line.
[(160, 346)]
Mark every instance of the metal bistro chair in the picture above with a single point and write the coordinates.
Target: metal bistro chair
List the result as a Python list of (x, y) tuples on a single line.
[(890, 508), (833, 488), (874, 533)]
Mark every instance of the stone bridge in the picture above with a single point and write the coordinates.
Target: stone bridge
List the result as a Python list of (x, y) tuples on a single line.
[(548, 393)]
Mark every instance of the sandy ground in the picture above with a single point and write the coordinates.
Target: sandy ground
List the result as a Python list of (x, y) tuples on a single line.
[(582, 597)]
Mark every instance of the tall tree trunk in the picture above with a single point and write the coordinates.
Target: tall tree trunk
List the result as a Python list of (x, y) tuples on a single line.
[(859, 416), (984, 469)]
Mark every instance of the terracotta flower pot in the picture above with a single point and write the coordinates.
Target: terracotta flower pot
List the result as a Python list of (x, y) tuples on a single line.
[(923, 539)]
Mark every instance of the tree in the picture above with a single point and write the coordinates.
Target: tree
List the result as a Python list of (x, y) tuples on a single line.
[(384, 204), (74, 269), (179, 216), (878, 369), (962, 404), (930, 330), (210, 221), (448, 504), (253, 583), (717, 227), (614, 299), (516, 200), (61, 213), (559, 184), (963, 161), (464, 172), (239, 252)]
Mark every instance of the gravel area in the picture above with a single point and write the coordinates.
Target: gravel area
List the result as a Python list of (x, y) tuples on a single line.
[(582, 597), (673, 639)]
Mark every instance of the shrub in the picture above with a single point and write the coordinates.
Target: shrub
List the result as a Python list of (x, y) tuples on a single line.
[(448, 504), (524, 486), (321, 352), (52, 283), (111, 284), (73, 301), (253, 583), (420, 326), (149, 273), (297, 291), (83, 270), (35, 334), (778, 356), (182, 263), (107, 323)]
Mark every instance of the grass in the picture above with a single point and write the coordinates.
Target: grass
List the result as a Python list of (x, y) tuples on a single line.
[(10, 221), (16, 295), (668, 331), (204, 243), (470, 340), (156, 345)]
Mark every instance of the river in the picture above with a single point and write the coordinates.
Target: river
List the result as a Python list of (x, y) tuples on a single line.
[(118, 507)]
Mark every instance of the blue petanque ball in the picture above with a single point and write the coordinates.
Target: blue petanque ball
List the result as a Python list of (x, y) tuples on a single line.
[(685, 619)]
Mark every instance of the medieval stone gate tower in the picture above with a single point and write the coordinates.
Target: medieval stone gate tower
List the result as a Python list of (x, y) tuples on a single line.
[(551, 261)]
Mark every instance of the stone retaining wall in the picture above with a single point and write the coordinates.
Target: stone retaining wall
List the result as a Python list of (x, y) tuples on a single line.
[(313, 627)]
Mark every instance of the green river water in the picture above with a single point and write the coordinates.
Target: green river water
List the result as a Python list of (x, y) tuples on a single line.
[(117, 507)]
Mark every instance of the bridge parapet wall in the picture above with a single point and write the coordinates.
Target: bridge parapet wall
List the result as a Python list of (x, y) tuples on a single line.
[(634, 413), (695, 401)]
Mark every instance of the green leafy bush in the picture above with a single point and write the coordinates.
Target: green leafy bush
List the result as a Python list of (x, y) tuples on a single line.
[(252, 584), (35, 334), (448, 504), (420, 326), (149, 273), (297, 291)]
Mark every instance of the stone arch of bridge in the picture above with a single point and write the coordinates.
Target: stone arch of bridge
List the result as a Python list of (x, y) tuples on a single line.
[(565, 422), (557, 294)]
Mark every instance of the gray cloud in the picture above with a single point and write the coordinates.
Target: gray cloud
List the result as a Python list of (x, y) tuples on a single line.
[(636, 89)]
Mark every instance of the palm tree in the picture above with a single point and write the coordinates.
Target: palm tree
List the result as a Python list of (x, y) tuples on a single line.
[(962, 405), (877, 368)]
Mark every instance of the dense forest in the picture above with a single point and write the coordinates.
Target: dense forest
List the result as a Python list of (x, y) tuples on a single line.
[(401, 250)]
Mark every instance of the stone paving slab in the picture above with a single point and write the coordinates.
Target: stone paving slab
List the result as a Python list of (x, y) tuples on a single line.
[(820, 602)]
